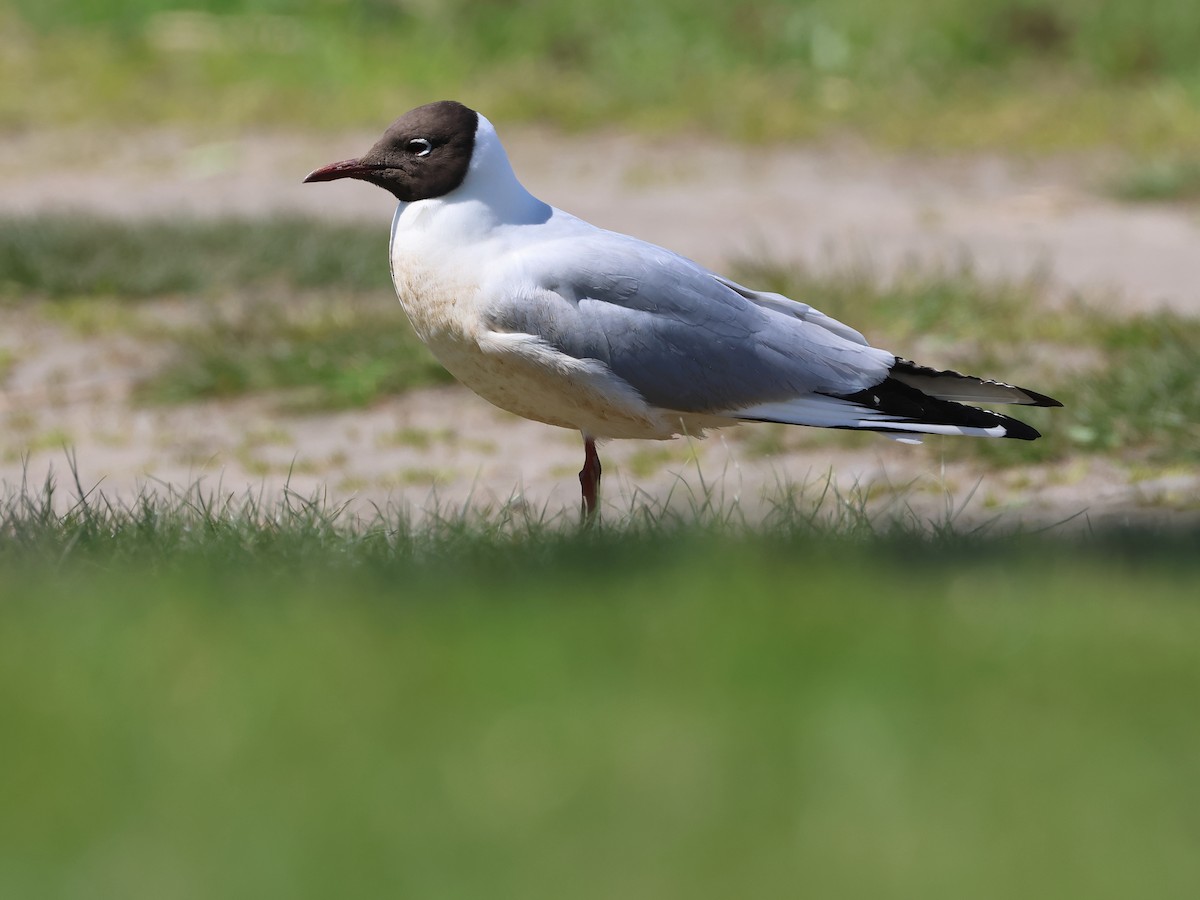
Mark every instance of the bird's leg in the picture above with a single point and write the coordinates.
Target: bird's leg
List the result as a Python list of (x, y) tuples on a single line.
[(589, 480)]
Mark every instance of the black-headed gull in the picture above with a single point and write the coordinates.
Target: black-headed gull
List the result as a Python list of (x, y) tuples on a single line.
[(562, 322)]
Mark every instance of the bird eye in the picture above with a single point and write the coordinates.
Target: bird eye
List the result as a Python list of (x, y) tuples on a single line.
[(418, 147)]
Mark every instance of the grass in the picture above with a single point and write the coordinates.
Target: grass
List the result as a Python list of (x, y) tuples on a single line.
[(315, 315), (329, 351), (211, 699), (1143, 394), (944, 73), (144, 258), (1158, 180)]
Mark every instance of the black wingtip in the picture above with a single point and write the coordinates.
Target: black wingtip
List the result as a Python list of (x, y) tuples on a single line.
[(898, 399), (1018, 430), (1040, 399)]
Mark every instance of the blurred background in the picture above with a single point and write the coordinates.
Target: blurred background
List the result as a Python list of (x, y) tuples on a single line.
[(284, 612), (1007, 74), (1005, 187)]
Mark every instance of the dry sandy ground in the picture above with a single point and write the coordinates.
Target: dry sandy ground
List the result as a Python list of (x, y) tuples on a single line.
[(825, 206)]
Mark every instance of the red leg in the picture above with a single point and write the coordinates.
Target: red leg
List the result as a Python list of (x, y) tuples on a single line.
[(589, 479)]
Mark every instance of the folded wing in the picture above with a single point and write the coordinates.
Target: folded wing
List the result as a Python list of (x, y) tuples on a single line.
[(691, 341)]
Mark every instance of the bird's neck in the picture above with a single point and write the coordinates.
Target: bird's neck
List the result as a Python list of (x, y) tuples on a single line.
[(491, 184)]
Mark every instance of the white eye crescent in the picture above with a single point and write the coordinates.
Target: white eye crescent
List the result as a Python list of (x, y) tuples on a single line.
[(419, 147)]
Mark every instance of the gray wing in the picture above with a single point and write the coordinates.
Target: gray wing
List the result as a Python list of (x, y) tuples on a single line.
[(683, 337)]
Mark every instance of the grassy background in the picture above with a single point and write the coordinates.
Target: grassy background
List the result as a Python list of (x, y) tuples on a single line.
[(1039, 74)]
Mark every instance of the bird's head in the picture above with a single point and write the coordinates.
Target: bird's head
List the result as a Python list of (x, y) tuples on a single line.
[(423, 154)]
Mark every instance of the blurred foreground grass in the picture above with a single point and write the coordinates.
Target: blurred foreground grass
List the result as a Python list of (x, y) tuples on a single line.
[(204, 700), (1031, 74)]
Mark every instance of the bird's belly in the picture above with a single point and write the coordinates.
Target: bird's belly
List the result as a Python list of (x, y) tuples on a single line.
[(547, 386)]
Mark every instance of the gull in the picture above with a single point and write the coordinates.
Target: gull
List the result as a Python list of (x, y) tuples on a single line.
[(562, 322)]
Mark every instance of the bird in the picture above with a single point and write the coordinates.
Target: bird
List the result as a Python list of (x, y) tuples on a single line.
[(557, 320)]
